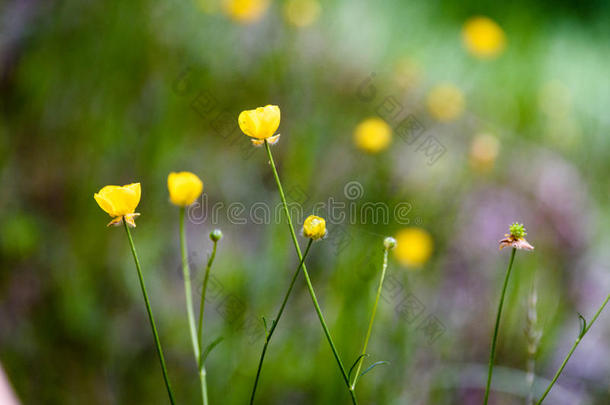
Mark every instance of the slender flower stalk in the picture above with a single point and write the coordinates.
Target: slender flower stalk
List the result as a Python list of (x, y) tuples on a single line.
[(306, 274), (388, 244), (215, 236), (186, 273), (150, 314), (585, 328), (184, 188), (276, 321), (492, 355), (516, 240)]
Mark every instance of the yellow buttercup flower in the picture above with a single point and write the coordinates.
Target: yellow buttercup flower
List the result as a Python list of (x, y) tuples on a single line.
[(261, 123), (373, 135), (184, 188), (445, 102), (314, 227), (245, 11), (414, 246), (301, 13), (483, 37), (120, 202)]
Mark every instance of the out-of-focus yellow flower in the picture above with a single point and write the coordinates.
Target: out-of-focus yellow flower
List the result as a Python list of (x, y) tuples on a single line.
[(120, 203), (484, 151), (314, 227), (261, 123), (407, 73), (414, 246), (445, 102), (245, 11), (373, 135), (184, 188), (483, 37), (302, 13)]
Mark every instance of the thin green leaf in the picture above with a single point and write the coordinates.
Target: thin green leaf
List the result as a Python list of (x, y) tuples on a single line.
[(583, 325), (372, 366), (349, 375), (208, 349), (265, 324)]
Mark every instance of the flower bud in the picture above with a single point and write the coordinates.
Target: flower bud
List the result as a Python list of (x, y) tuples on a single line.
[(314, 227), (216, 235), (389, 243)]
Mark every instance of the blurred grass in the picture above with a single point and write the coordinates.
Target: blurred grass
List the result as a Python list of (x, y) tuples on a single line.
[(89, 98)]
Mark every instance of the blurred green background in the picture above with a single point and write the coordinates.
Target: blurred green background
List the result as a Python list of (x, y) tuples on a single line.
[(97, 93)]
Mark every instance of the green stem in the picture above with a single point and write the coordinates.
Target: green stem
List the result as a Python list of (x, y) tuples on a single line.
[(202, 302), (492, 355), (306, 274), (565, 361), (186, 273), (276, 321), (370, 329), (150, 315), (201, 366)]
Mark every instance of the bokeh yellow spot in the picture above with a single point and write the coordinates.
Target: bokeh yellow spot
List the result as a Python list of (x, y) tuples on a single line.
[(373, 135), (414, 246), (445, 102), (245, 11), (483, 37), (407, 73), (483, 152), (302, 13)]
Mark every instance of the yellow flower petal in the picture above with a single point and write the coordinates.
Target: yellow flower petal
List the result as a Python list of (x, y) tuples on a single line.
[(260, 123), (134, 191), (184, 188), (105, 204)]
